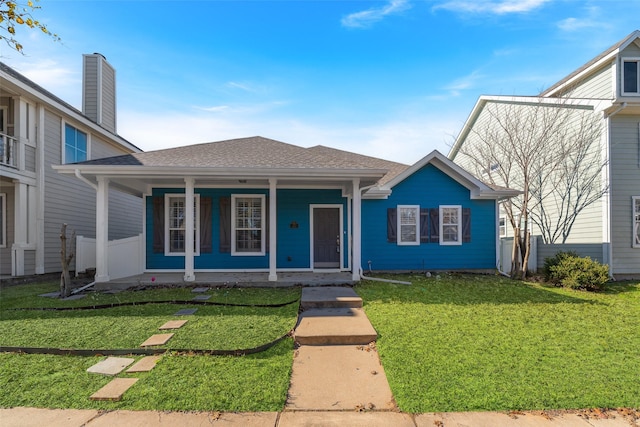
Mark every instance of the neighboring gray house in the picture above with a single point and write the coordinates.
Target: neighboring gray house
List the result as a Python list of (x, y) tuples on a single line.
[(38, 130), (609, 88)]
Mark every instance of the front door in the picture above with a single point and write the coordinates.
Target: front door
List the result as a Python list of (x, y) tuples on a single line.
[(326, 237)]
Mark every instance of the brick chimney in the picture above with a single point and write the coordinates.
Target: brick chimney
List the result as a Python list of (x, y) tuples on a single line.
[(99, 91)]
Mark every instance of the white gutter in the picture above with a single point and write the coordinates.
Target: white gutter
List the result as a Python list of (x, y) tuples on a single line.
[(85, 180)]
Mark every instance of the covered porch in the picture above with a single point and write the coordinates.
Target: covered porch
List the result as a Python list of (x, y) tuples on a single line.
[(215, 279)]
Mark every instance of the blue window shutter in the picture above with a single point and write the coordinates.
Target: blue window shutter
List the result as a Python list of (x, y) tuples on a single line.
[(466, 225), (392, 222)]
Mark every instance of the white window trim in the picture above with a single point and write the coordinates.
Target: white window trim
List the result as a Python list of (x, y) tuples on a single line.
[(3, 215), (441, 225), (636, 60), (196, 225), (502, 229), (399, 225), (262, 198), (635, 224), (63, 141)]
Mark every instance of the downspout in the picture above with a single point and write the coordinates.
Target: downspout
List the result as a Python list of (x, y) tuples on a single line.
[(609, 207), (85, 180), (376, 279), (95, 187)]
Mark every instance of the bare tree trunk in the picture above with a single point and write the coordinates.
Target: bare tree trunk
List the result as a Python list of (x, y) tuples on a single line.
[(65, 279), (527, 252), (515, 254)]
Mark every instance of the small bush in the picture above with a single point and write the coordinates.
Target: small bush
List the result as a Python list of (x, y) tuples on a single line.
[(572, 271), (555, 260)]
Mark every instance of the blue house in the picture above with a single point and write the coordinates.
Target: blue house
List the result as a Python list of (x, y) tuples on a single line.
[(255, 204)]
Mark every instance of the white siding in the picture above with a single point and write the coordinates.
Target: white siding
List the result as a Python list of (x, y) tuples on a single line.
[(108, 91), (70, 201), (5, 253), (598, 85), (588, 226), (625, 178), (90, 87)]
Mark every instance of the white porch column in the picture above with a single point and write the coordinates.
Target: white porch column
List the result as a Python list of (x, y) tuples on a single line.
[(273, 276), (21, 219), (189, 274), (40, 188), (357, 231), (102, 230)]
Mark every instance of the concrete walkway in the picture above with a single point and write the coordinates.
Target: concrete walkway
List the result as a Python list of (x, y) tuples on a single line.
[(336, 366), (33, 417)]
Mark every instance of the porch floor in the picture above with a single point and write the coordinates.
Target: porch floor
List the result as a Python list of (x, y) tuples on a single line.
[(231, 279)]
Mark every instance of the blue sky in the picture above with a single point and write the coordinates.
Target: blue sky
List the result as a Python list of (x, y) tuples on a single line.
[(390, 78)]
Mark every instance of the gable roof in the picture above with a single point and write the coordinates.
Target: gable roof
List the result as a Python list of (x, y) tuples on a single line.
[(593, 64), (477, 188)]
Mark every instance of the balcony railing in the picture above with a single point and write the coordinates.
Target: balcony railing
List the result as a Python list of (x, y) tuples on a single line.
[(8, 151)]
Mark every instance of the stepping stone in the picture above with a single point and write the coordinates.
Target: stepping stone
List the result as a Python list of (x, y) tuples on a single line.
[(201, 297), (50, 295), (144, 365), (199, 290), (173, 324), (111, 366), (157, 339), (185, 312), (114, 390)]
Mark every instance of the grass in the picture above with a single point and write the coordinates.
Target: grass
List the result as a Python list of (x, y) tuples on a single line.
[(256, 382), (463, 343)]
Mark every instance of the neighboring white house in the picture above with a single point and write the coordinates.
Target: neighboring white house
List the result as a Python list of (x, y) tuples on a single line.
[(607, 87), (38, 130)]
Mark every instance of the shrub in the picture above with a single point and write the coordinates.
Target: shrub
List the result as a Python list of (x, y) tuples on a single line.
[(555, 260), (572, 271)]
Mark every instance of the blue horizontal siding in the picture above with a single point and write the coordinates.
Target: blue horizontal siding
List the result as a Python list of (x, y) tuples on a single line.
[(293, 244), (429, 187)]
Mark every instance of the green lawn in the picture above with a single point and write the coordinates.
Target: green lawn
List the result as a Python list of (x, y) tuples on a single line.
[(256, 382), (463, 343)]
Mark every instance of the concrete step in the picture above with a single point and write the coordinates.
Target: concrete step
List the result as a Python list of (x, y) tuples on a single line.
[(329, 297), (334, 326)]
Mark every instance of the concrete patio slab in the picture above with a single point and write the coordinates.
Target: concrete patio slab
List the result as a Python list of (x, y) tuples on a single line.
[(173, 324), (334, 326), (145, 364), (157, 339), (339, 419), (335, 378), (74, 297), (36, 417), (185, 312), (114, 390), (201, 297), (184, 419), (111, 365), (200, 289), (50, 295), (330, 296)]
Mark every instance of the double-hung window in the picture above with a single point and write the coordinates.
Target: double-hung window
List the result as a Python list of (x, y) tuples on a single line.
[(631, 76), (75, 145), (175, 232), (408, 223), (3, 220), (248, 224), (450, 225), (636, 221)]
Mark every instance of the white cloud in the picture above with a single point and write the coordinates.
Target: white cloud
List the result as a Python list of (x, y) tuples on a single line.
[(464, 83), (367, 18), (403, 140), (576, 24), (496, 7), (63, 81)]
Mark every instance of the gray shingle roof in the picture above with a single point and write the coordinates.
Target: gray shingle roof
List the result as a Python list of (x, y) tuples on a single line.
[(252, 152)]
